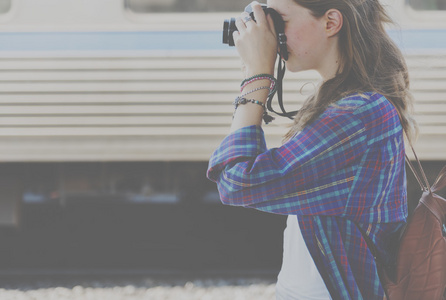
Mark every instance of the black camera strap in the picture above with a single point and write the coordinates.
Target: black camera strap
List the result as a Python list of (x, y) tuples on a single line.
[(280, 74), (279, 26)]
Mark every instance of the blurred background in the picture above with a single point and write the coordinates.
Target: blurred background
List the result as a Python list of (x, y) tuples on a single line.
[(109, 112)]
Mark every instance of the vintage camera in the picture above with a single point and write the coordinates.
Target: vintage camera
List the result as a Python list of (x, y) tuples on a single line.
[(229, 28)]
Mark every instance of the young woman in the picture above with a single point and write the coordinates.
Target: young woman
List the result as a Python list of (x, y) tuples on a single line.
[(341, 168)]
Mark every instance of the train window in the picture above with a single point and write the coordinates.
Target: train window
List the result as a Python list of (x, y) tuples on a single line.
[(178, 6), (5, 6), (427, 4)]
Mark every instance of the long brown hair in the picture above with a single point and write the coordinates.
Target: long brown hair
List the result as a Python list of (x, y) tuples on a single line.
[(369, 62)]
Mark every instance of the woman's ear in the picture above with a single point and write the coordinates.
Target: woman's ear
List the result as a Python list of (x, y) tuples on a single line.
[(333, 22)]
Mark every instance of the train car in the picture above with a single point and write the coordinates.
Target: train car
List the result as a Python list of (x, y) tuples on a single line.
[(149, 81)]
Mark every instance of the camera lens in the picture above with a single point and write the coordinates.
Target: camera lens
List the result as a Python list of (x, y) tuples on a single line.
[(228, 28), (232, 28), (225, 31)]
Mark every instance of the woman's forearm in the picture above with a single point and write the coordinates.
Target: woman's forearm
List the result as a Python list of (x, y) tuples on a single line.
[(251, 113)]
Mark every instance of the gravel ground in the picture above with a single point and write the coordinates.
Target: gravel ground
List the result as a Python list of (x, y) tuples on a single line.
[(146, 287)]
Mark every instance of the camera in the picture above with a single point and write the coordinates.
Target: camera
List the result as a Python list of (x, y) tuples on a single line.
[(279, 25), (229, 28)]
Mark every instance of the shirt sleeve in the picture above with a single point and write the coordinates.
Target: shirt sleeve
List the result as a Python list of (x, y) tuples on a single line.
[(310, 174)]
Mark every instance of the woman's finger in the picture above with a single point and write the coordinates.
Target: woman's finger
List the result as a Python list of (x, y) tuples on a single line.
[(270, 22), (240, 24), (259, 14), (246, 18), (235, 36)]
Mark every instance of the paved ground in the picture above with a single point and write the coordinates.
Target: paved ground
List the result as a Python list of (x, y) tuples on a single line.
[(136, 288)]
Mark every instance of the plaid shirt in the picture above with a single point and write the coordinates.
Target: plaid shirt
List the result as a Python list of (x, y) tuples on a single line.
[(344, 170)]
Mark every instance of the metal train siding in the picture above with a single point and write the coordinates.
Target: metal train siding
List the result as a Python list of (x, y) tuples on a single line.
[(91, 81)]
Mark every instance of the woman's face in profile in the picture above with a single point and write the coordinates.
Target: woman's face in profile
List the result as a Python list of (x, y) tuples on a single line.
[(306, 36)]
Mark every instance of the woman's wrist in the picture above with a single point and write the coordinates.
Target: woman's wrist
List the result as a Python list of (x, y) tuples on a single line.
[(252, 72), (250, 106)]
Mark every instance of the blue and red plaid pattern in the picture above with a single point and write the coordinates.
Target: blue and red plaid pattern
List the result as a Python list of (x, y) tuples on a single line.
[(344, 170)]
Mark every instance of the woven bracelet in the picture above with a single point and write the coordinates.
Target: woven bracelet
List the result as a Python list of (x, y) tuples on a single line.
[(257, 77)]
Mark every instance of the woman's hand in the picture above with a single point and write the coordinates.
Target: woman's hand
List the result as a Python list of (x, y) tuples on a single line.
[(256, 42)]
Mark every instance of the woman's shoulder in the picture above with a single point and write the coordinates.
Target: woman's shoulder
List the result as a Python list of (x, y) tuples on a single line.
[(375, 111), (365, 105), (363, 101)]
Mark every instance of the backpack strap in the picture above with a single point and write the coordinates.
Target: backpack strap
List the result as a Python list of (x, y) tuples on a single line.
[(426, 186), (415, 173), (431, 203), (440, 182), (380, 266)]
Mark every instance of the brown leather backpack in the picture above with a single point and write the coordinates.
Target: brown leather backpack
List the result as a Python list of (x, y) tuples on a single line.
[(420, 269)]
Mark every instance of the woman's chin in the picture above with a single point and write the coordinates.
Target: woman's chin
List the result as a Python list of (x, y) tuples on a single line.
[(293, 68)]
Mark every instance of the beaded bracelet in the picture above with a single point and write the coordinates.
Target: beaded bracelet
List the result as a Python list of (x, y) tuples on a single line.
[(246, 82), (251, 79), (240, 100), (255, 90), (272, 88)]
